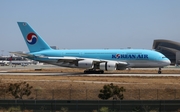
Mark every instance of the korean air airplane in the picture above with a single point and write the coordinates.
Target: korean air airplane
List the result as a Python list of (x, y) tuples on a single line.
[(92, 60)]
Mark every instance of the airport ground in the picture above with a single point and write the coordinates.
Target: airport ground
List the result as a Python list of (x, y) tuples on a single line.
[(55, 78)]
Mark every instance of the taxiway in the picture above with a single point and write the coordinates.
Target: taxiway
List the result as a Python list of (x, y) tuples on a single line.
[(103, 75)]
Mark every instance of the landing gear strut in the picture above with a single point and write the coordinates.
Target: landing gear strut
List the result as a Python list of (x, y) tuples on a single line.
[(159, 71), (93, 71)]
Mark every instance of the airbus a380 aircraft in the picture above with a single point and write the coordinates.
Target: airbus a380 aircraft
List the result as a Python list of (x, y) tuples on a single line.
[(94, 61)]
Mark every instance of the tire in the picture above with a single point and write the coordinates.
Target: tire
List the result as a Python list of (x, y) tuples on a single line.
[(159, 72), (85, 72)]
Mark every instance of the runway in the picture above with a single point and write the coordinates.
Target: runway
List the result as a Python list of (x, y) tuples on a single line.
[(102, 75), (7, 70)]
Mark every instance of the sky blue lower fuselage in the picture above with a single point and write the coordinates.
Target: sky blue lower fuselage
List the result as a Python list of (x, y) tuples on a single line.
[(134, 57)]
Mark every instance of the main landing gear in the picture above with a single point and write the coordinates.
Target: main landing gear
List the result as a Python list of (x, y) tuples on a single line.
[(93, 71), (159, 71)]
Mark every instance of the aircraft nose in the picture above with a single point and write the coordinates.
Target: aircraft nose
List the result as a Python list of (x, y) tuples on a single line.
[(167, 62)]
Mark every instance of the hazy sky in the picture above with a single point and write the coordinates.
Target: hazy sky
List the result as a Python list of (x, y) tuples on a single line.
[(90, 24)]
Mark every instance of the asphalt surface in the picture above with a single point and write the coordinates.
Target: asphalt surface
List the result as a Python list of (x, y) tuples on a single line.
[(79, 74), (4, 70)]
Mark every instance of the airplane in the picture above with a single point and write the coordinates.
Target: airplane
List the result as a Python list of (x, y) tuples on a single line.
[(92, 60), (13, 60), (22, 63), (4, 63)]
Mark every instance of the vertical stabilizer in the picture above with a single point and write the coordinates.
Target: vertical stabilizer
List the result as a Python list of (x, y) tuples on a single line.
[(34, 42)]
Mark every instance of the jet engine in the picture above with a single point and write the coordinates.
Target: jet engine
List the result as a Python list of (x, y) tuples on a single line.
[(109, 65), (86, 64)]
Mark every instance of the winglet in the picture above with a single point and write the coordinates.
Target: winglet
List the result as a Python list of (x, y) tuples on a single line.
[(34, 42)]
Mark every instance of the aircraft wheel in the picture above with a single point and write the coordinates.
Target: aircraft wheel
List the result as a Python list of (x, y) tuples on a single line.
[(159, 72), (93, 71), (85, 71), (101, 72)]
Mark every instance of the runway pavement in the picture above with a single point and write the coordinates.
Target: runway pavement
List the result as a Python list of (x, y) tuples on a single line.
[(19, 67), (4, 70), (79, 74)]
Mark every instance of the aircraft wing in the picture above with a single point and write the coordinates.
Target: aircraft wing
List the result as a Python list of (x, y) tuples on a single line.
[(27, 55), (65, 59), (122, 63), (73, 59), (76, 59), (70, 60), (59, 59)]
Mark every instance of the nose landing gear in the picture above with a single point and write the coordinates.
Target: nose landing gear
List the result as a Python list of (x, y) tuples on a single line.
[(159, 71)]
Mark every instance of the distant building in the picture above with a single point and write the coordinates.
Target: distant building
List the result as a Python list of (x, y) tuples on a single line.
[(9, 58), (169, 48), (15, 60)]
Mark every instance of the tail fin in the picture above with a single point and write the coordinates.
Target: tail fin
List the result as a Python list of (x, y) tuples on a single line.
[(33, 40)]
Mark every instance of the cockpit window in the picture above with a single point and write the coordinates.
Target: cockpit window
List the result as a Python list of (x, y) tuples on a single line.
[(163, 57)]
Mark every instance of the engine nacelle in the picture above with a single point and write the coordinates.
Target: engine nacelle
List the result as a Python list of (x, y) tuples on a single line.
[(86, 64), (110, 65)]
